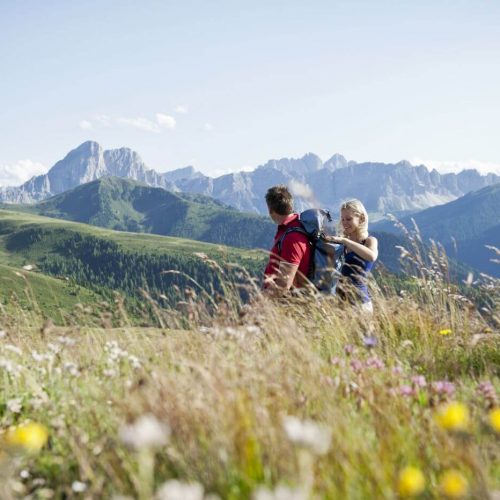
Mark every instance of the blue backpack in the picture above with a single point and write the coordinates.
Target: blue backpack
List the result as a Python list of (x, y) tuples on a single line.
[(326, 258)]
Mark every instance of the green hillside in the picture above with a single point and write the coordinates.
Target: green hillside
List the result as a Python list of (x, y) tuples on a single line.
[(126, 205), (29, 296), (463, 226), (103, 260)]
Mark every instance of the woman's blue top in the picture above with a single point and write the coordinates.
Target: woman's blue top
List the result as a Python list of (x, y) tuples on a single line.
[(355, 271)]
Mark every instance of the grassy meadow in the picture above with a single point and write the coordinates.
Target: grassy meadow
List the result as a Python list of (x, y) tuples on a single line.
[(293, 398)]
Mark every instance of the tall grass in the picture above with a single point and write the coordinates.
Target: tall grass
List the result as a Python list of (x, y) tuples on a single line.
[(219, 378)]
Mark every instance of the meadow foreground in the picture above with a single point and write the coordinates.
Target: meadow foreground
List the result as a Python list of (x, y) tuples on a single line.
[(290, 399)]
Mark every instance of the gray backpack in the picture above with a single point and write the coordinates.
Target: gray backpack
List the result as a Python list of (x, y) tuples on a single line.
[(326, 258)]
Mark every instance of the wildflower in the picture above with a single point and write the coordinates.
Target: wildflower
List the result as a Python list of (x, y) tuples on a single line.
[(280, 493), (356, 365), (14, 349), (375, 362), (407, 390), (411, 482), (145, 432), (78, 487), (308, 434), (14, 405), (494, 418), (454, 416), (397, 370), (348, 349), (418, 381), (445, 331), (28, 267), (443, 387), (65, 340), (487, 391), (72, 369), (175, 490), (407, 344), (10, 367), (453, 484), (31, 436), (370, 342)]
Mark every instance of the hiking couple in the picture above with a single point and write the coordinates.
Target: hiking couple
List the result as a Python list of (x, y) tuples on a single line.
[(297, 250)]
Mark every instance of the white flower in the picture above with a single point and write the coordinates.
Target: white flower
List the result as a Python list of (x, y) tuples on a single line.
[(10, 367), (145, 432), (14, 405), (134, 361), (66, 340), (28, 267), (78, 487), (14, 349), (280, 493), (175, 490), (54, 348), (308, 434), (72, 369)]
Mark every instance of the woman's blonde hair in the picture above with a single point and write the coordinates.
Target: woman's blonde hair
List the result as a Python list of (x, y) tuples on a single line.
[(357, 208)]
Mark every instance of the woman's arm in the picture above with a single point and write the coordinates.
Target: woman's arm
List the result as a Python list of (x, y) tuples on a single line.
[(368, 251)]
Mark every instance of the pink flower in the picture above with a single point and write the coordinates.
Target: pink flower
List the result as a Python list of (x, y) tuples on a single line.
[(443, 387), (349, 349), (375, 362), (407, 390), (418, 381), (356, 365)]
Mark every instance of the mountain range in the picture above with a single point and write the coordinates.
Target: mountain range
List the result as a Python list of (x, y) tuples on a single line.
[(126, 205), (382, 187), (464, 227)]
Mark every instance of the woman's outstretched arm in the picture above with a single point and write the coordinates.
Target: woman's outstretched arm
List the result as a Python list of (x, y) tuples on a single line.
[(368, 251)]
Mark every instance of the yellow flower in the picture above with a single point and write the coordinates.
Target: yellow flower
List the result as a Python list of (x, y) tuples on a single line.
[(30, 436), (411, 482), (445, 331), (494, 417), (453, 417), (453, 484)]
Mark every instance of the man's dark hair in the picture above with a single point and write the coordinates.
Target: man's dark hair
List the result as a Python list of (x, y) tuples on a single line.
[(279, 200)]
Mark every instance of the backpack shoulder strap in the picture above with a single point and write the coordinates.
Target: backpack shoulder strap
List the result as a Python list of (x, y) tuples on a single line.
[(295, 229)]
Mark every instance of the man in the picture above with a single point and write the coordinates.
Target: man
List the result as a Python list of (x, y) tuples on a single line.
[(289, 267)]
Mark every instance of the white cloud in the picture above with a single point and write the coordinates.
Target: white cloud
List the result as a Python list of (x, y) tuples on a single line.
[(85, 125), (300, 189), (165, 120), (140, 123), (219, 171), (161, 121), (104, 120), (208, 127), (17, 173), (449, 166), (182, 110)]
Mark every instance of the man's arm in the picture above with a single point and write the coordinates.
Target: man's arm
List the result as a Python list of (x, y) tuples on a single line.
[(286, 275), (280, 282)]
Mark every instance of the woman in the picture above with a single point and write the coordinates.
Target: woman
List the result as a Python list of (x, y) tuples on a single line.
[(360, 253)]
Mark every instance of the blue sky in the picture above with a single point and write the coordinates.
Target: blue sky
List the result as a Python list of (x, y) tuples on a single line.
[(225, 85)]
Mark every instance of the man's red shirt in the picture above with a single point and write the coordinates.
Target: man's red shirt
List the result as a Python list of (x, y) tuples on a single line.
[(295, 249)]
